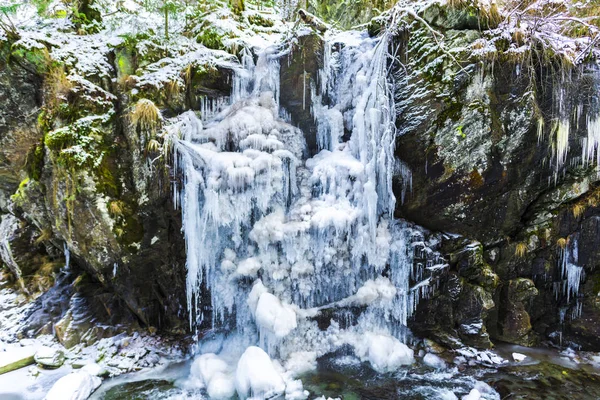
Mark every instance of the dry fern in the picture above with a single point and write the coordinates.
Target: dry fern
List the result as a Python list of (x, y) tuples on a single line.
[(116, 208), (521, 249), (153, 146), (145, 115), (578, 210)]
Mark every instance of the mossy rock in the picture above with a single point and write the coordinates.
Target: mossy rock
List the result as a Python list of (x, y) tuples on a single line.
[(33, 58), (35, 161), (466, 14), (78, 145), (124, 60), (514, 322), (260, 20)]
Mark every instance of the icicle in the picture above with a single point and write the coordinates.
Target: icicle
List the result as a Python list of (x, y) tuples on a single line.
[(304, 90), (67, 253), (571, 274)]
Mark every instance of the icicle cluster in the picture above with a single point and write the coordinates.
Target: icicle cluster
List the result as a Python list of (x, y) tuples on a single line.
[(571, 274)]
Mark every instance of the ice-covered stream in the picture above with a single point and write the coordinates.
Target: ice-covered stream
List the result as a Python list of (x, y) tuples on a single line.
[(284, 243)]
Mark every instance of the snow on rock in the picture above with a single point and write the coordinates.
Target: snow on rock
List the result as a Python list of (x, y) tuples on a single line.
[(434, 361), (485, 357), (256, 375), (447, 395), (214, 373), (372, 290), (384, 352), (94, 369), (273, 315), (49, 357), (75, 386), (518, 357), (301, 362), (473, 395)]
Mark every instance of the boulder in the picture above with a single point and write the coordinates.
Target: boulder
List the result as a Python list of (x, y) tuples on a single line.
[(514, 322), (75, 386), (49, 357)]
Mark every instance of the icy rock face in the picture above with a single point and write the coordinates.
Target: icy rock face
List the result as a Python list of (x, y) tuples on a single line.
[(281, 240)]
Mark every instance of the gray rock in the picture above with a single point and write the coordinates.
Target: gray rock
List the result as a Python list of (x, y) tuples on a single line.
[(49, 357)]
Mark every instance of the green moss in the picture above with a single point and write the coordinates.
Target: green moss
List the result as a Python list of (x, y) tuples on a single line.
[(376, 26), (105, 179), (35, 162), (133, 230), (20, 195), (34, 58), (211, 39), (257, 19), (44, 122), (237, 6), (452, 111), (124, 62), (76, 146)]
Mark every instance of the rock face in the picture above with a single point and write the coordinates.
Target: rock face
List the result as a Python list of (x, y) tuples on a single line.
[(496, 157)]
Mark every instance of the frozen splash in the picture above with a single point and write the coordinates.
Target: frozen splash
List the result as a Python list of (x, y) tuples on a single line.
[(276, 242)]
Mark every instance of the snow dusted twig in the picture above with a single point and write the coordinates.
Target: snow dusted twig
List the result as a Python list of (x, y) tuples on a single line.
[(411, 12)]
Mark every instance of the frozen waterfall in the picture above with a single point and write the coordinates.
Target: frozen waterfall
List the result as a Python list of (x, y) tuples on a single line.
[(279, 241)]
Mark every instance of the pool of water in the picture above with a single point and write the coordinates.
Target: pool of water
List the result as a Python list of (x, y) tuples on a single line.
[(544, 374)]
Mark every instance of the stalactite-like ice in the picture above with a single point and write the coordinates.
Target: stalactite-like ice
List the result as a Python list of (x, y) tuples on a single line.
[(571, 274)]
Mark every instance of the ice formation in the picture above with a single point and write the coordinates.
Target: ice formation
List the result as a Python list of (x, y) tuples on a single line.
[(215, 375), (279, 240), (385, 353), (256, 376), (434, 361), (571, 274)]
